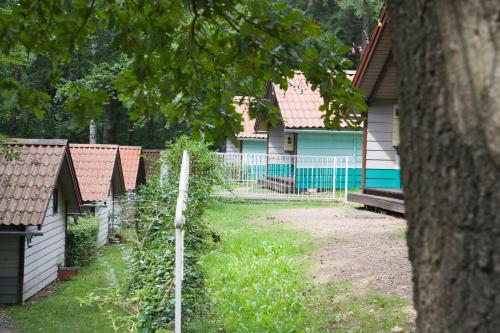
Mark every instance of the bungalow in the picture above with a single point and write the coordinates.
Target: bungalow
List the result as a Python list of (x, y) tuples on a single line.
[(99, 173), (377, 77), (38, 190), (151, 158), (132, 164), (249, 140), (301, 132)]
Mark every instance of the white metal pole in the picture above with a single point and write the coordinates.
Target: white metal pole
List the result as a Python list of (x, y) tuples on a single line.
[(346, 178), (179, 239)]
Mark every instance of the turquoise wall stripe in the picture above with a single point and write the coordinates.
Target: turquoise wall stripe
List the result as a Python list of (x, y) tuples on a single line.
[(254, 146), (318, 178), (383, 178), (323, 178)]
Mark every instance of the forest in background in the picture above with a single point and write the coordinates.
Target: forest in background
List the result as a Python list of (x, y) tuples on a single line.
[(97, 65)]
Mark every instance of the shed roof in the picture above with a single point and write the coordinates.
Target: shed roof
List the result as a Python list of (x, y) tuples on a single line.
[(95, 166), (248, 132), (299, 105), (27, 182), (132, 166), (151, 157), (376, 74)]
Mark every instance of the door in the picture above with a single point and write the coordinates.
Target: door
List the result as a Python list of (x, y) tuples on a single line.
[(9, 269)]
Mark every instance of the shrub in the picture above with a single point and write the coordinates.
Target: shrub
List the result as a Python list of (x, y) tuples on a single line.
[(82, 241), (149, 299)]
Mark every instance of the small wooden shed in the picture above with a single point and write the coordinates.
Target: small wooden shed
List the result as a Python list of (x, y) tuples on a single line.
[(132, 163), (151, 159), (99, 172), (38, 190), (377, 76)]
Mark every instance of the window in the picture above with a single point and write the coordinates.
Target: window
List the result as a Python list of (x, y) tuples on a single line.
[(395, 126), (55, 201)]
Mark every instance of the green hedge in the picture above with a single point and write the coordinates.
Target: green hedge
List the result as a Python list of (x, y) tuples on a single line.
[(82, 241)]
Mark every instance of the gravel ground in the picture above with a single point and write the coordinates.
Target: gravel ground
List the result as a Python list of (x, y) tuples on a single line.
[(5, 322), (358, 246)]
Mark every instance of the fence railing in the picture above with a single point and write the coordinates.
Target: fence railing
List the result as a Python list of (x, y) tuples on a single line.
[(267, 176)]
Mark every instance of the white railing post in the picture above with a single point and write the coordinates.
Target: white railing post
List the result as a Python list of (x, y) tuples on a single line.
[(179, 238), (346, 178)]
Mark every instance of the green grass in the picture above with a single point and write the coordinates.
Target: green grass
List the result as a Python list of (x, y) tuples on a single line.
[(255, 277), (337, 307), (62, 312), (258, 281), (399, 234)]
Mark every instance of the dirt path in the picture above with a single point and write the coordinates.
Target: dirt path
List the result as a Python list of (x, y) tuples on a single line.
[(364, 248)]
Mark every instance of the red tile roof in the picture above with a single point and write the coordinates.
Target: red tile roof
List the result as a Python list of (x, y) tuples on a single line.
[(248, 124), (27, 183), (130, 157), (151, 157), (299, 104), (94, 166)]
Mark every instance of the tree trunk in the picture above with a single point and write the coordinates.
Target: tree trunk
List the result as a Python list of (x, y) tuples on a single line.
[(92, 131), (365, 29), (447, 54)]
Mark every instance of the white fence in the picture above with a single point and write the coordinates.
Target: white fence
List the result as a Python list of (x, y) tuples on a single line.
[(288, 177)]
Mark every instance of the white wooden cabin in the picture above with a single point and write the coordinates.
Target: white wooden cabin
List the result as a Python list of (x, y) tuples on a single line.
[(37, 192), (99, 173)]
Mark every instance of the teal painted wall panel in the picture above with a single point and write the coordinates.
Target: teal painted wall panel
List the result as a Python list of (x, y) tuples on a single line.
[(383, 178), (254, 146), (330, 144)]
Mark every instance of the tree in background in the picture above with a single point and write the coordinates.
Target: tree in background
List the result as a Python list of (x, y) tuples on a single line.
[(186, 59), (447, 53), (348, 20)]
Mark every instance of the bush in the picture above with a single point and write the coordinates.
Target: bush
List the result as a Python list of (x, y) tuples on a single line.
[(82, 241), (149, 298)]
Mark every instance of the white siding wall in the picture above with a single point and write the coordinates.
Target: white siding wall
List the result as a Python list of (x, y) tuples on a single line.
[(47, 251), (380, 154), (103, 214), (276, 140), (231, 147)]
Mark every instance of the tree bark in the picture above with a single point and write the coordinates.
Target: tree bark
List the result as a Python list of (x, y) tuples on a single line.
[(447, 54)]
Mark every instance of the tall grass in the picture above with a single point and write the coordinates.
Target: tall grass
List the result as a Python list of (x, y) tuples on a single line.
[(255, 278)]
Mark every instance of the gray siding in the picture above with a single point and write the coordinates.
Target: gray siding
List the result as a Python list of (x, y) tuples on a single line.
[(231, 147), (380, 154), (276, 139), (47, 252), (9, 269), (103, 214)]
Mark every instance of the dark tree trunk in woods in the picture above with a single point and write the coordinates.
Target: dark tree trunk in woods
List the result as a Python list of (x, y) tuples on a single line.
[(448, 60), (92, 131), (365, 30)]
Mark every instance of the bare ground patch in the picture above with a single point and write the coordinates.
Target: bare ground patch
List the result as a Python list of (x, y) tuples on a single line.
[(356, 246)]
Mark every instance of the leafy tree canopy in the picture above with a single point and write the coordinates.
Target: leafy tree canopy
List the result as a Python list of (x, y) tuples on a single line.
[(184, 59)]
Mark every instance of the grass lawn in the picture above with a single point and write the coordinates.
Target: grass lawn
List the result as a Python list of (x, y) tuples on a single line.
[(258, 281), (61, 311)]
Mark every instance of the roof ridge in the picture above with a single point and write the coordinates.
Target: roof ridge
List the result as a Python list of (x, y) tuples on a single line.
[(36, 142), (94, 145)]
